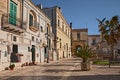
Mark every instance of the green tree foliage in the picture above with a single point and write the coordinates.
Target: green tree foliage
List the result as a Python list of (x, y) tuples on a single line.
[(85, 53), (110, 31)]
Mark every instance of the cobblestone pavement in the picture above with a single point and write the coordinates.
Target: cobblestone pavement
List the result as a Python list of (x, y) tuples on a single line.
[(67, 69)]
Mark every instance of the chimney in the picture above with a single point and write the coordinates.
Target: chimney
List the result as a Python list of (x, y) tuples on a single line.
[(40, 6), (71, 25), (60, 9)]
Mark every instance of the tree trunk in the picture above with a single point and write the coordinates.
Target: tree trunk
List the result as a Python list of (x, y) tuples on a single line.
[(112, 52)]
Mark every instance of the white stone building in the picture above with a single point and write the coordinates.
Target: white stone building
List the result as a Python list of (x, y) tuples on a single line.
[(22, 33)]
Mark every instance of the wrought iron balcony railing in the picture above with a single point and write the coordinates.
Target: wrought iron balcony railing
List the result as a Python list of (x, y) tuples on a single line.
[(34, 26), (13, 23)]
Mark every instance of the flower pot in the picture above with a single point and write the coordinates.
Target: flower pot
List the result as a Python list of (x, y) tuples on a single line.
[(12, 68), (86, 66)]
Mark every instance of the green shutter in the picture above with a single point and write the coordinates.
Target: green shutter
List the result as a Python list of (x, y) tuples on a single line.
[(13, 13)]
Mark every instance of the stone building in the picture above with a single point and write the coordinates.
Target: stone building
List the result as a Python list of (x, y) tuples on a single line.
[(62, 32), (24, 30), (11, 30), (79, 38), (94, 40)]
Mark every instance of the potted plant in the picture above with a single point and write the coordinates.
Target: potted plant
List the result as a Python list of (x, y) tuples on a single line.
[(11, 66), (85, 53)]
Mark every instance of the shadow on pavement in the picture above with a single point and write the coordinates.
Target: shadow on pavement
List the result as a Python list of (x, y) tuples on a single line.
[(113, 67), (95, 77), (52, 65), (60, 70), (86, 77)]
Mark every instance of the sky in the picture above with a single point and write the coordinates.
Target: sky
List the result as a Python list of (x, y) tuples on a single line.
[(83, 13)]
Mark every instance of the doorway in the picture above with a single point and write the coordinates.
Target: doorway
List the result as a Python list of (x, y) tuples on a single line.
[(33, 53), (14, 56)]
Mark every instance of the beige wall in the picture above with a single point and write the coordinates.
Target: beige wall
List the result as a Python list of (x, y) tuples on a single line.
[(63, 33), (82, 40), (93, 37), (3, 6)]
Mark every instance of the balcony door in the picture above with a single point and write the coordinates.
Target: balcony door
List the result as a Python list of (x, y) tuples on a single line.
[(13, 13)]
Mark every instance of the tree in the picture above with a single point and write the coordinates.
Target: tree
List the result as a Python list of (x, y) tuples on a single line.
[(110, 31), (85, 53)]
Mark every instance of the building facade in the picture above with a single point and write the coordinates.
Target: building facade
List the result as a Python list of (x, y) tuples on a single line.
[(94, 40), (79, 38), (23, 38), (11, 30), (38, 28), (62, 32)]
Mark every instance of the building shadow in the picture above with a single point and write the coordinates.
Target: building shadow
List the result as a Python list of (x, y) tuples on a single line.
[(85, 77)]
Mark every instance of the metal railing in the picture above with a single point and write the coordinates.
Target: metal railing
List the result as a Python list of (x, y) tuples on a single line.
[(7, 19), (34, 24)]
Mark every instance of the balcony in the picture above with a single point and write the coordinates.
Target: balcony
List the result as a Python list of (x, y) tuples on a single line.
[(34, 26), (12, 24)]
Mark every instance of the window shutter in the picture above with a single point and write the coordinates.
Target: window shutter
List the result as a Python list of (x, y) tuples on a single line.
[(13, 13)]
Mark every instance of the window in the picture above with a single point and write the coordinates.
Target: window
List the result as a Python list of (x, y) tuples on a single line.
[(32, 38), (47, 30), (45, 51), (30, 20), (58, 22), (118, 51), (60, 44), (64, 47), (29, 50), (36, 39), (66, 31), (93, 42), (40, 41), (49, 45), (5, 54), (62, 26), (14, 38), (13, 13), (78, 36), (41, 28), (0, 54), (67, 46)]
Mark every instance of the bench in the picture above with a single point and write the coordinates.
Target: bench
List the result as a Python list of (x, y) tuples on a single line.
[(114, 61)]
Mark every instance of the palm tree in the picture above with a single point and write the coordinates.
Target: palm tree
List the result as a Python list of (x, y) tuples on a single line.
[(85, 53), (110, 30)]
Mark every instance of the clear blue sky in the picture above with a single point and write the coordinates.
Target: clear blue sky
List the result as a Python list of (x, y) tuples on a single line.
[(83, 13)]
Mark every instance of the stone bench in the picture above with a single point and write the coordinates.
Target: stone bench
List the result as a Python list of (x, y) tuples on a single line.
[(114, 61)]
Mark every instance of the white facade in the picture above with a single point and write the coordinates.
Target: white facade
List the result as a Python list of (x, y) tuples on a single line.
[(39, 36), (26, 44)]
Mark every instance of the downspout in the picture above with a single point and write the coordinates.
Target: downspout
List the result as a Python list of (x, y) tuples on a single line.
[(22, 15), (7, 6)]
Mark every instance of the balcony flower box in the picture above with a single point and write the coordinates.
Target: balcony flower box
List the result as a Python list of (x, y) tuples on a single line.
[(19, 54)]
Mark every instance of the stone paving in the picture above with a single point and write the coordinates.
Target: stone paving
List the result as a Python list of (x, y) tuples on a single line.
[(67, 69)]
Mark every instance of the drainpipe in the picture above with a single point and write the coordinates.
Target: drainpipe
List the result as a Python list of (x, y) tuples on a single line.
[(22, 14)]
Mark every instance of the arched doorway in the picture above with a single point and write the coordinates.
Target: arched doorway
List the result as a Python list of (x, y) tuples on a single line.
[(78, 47)]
